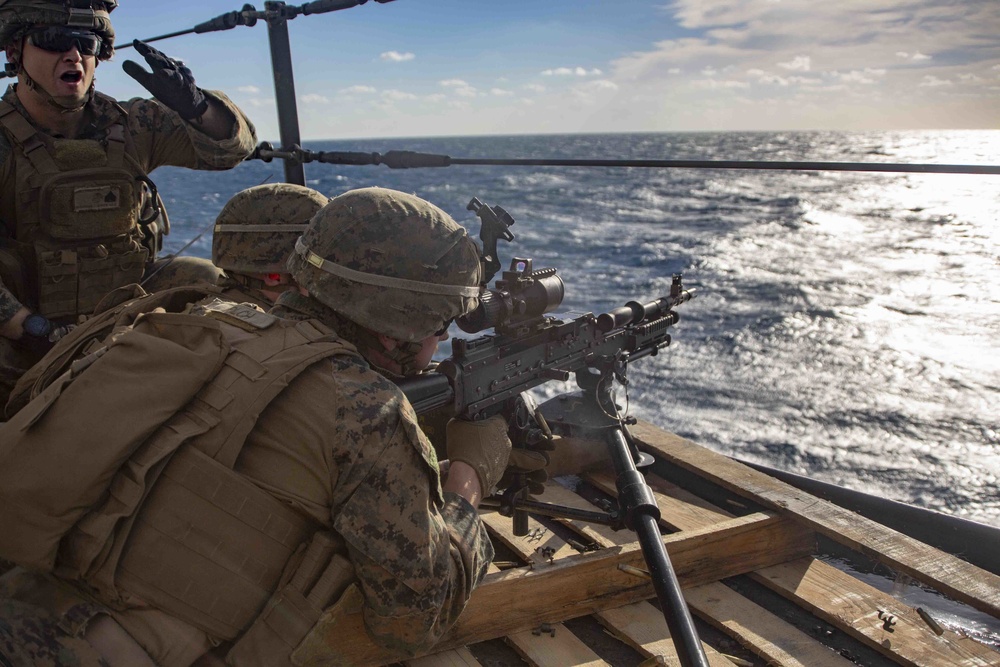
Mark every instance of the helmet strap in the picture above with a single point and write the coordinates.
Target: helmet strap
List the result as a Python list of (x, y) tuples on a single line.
[(366, 340), (404, 354), (247, 281)]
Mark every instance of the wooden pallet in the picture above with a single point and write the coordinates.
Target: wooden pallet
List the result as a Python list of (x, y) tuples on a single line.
[(771, 540)]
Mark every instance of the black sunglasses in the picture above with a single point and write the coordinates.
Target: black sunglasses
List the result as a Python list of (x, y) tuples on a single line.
[(58, 39)]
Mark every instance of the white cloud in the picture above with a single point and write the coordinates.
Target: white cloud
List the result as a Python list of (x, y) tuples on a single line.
[(866, 76), (535, 88), (500, 92), (396, 56), (797, 64), (591, 92), (313, 98), (392, 95), (771, 79), (930, 81), (599, 85), (715, 84), (460, 87), (917, 56), (571, 71), (357, 90), (252, 90)]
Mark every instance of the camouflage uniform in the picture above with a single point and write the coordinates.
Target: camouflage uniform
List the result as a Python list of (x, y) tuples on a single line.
[(160, 138), (41, 625), (341, 445)]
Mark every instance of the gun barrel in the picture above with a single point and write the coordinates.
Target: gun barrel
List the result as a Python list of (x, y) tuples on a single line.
[(634, 312), (620, 317)]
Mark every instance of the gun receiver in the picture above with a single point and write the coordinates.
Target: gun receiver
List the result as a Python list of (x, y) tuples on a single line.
[(529, 348)]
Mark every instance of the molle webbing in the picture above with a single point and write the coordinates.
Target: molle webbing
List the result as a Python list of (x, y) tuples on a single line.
[(207, 545), (178, 529), (28, 138), (78, 203), (34, 147)]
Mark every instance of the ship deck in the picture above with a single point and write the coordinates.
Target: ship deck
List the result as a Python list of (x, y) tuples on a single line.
[(760, 564)]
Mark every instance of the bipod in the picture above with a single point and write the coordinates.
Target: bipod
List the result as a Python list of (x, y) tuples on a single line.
[(593, 415)]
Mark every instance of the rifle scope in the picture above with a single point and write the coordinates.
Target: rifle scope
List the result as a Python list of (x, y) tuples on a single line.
[(521, 295)]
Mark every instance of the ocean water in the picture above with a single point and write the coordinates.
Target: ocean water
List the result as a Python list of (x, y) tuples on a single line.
[(847, 325)]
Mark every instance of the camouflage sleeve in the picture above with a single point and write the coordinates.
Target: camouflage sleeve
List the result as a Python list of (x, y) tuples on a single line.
[(9, 305), (162, 138), (418, 554)]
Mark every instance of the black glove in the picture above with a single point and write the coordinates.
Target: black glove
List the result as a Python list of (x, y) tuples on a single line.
[(171, 82)]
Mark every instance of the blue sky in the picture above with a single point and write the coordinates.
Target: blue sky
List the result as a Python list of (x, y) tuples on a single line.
[(467, 67)]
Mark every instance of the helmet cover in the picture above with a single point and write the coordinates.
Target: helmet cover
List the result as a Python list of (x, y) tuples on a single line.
[(389, 261), (18, 16), (256, 229)]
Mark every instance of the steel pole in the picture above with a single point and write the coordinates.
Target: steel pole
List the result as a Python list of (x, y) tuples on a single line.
[(284, 89)]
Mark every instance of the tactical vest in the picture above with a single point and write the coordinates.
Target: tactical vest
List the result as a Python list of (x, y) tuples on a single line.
[(80, 202), (118, 473)]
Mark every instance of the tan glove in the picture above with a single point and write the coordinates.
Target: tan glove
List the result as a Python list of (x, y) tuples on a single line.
[(529, 463), (484, 445)]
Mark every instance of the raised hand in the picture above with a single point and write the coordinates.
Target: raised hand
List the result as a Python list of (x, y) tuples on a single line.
[(170, 82)]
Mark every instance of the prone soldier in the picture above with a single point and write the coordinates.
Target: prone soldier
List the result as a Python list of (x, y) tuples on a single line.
[(79, 215), (342, 498)]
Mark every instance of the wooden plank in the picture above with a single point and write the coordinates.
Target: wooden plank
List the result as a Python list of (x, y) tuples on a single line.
[(750, 624), (538, 534), (522, 598), (529, 547), (561, 647), (852, 606), (557, 650), (642, 626), (949, 574), (679, 509), (459, 657), (778, 642)]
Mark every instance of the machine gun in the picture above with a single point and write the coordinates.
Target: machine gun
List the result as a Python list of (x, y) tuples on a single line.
[(528, 347)]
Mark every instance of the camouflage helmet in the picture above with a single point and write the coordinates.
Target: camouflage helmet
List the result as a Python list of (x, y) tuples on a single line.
[(256, 229), (390, 262), (17, 16)]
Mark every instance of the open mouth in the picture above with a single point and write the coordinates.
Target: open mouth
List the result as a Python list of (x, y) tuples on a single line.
[(72, 76)]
